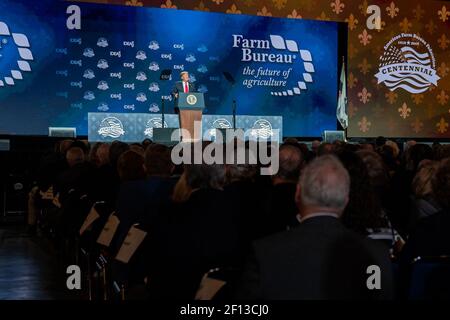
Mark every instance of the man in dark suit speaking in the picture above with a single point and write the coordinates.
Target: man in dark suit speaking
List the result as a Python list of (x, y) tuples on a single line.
[(183, 86)]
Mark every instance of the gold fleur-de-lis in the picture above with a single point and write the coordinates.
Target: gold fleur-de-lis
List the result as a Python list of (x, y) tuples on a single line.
[(337, 6), (382, 25), (364, 95), (443, 14), (404, 111), (392, 10), (294, 15), (417, 125), (364, 67), (201, 7), (135, 3), (323, 17), (352, 109), (405, 25), (309, 4), (375, 83), (352, 21), (352, 80), (417, 98), (217, 1), (264, 12), (390, 35), (234, 10), (391, 97), (352, 51), (442, 97), (378, 110), (168, 5), (363, 7), (442, 126), (364, 124), (418, 12), (364, 37), (443, 70), (430, 26), (443, 42), (391, 124), (430, 110), (279, 4)]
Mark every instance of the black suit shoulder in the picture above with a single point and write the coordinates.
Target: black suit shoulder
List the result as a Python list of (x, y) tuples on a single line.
[(319, 259)]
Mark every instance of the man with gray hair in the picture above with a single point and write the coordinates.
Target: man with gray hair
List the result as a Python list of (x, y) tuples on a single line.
[(323, 189), (320, 258)]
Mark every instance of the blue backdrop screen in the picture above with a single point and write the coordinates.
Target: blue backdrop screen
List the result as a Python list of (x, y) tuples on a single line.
[(59, 61)]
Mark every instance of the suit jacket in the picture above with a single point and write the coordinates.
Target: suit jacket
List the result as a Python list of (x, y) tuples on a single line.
[(318, 259), (190, 239), (178, 87), (430, 238), (283, 209)]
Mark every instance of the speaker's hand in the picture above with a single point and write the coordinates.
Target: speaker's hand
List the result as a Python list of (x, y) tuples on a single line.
[(176, 95)]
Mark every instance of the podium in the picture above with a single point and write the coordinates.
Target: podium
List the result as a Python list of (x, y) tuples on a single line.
[(191, 107)]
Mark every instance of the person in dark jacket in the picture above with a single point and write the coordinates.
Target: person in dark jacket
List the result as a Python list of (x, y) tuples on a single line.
[(320, 258)]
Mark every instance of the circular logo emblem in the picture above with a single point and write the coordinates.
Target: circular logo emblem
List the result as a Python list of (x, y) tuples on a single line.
[(262, 129), (111, 127), (221, 123), (155, 122), (407, 63), (191, 99)]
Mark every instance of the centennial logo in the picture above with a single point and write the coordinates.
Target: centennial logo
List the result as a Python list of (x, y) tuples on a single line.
[(191, 99), (25, 54), (111, 127), (277, 51), (408, 63)]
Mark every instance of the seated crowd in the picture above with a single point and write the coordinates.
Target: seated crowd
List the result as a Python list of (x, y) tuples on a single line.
[(310, 231)]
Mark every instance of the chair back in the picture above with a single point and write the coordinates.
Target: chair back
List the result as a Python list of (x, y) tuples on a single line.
[(430, 278)]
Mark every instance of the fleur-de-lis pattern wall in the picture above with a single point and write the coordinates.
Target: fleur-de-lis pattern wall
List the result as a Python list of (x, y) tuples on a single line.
[(410, 106)]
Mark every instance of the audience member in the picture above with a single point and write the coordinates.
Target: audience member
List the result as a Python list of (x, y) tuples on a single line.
[(283, 211), (138, 148), (423, 200), (325, 148), (309, 231), (130, 166), (315, 144), (431, 237), (250, 202), (93, 157), (194, 236), (102, 155), (320, 258)]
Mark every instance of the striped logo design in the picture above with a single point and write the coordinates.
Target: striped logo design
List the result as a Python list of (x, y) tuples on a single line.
[(111, 127), (407, 63)]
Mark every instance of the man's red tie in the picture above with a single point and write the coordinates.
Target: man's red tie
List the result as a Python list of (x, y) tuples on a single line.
[(186, 88)]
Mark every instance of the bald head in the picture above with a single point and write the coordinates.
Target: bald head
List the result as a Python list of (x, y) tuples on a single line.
[(323, 187), (75, 156)]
